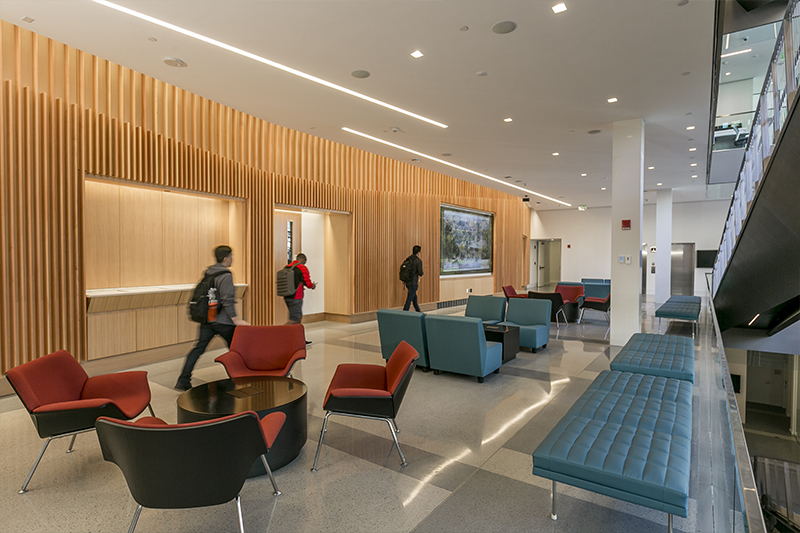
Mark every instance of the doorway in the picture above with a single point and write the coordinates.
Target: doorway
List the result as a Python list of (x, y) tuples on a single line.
[(768, 392), (548, 259), (325, 238)]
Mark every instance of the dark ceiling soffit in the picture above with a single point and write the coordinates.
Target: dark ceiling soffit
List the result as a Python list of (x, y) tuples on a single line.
[(719, 32)]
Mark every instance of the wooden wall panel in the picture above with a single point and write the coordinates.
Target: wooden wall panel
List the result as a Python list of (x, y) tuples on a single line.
[(114, 333), (180, 259), (141, 224), (338, 272), (101, 226), (65, 114)]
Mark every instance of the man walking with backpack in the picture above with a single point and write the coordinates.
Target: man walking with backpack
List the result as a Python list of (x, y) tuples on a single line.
[(224, 323), (302, 279), (410, 271)]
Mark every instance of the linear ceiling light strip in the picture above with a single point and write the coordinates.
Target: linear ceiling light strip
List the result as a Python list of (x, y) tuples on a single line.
[(409, 150), (263, 60)]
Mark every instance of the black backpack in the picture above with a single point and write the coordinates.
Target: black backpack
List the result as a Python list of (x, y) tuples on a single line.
[(286, 282), (198, 307), (407, 269)]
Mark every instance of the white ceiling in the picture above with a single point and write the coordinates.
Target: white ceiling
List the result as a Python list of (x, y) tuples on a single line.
[(552, 75)]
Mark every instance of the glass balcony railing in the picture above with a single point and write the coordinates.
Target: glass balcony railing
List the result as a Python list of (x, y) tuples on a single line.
[(780, 88)]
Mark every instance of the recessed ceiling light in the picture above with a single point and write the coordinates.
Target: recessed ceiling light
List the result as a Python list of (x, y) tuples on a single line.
[(692, 149), (659, 184), (28, 19), (754, 319), (689, 128), (506, 26), (612, 100), (559, 8), (694, 175), (360, 74), (442, 161), (583, 175), (509, 119), (265, 61), (464, 28), (416, 54), (481, 73), (693, 165), (555, 153), (737, 53), (175, 62), (602, 188), (415, 159), (593, 132), (683, 3), (152, 39), (651, 168), (447, 154), (727, 73)]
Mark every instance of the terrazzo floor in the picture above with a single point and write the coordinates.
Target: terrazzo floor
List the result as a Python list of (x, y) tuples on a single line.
[(468, 447)]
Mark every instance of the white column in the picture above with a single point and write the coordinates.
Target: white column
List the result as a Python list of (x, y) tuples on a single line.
[(627, 197), (663, 245)]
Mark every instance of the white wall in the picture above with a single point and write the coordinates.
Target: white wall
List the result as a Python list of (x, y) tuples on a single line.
[(735, 97), (588, 233), (313, 245), (585, 240)]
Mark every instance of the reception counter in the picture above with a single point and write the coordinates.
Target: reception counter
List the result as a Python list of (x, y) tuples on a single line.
[(130, 319)]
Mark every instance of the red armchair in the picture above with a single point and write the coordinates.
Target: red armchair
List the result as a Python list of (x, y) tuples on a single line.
[(570, 293), (370, 391), (189, 465), (511, 292), (64, 401), (264, 350)]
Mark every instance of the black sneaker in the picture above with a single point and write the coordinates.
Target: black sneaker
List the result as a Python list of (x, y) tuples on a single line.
[(182, 386), (308, 342)]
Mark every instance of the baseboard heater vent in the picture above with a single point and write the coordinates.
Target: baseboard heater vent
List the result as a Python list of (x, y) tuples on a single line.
[(451, 303)]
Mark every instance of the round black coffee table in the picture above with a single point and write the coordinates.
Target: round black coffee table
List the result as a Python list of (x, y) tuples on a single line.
[(263, 395)]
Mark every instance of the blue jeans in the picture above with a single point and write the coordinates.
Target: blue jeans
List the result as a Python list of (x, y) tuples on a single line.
[(411, 287)]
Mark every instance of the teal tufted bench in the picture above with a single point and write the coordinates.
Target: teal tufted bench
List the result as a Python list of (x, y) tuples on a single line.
[(629, 437), (669, 356), (680, 308)]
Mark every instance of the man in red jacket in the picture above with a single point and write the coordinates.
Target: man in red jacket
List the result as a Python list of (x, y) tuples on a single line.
[(302, 280)]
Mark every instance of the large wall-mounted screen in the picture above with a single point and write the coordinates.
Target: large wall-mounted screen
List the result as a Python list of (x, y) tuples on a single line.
[(467, 241)]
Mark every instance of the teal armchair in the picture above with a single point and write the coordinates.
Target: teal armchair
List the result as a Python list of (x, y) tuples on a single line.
[(533, 319), (458, 344), (395, 326), (490, 309)]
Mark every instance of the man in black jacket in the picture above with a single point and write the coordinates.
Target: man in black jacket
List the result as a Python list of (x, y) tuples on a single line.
[(411, 286)]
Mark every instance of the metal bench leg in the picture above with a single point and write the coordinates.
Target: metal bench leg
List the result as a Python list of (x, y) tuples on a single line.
[(239, 510), (271, 477), (669, 523), (396, 443), (71, 443), (135, 519), (553, 514)]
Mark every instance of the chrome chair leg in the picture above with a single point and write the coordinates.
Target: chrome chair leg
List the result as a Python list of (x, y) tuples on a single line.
[(271, 477), (580, 316), (564, 314), (135, 519), (396, 443), (321, 436), (239, 509), (553, 514), (396, 429), (24, 488), (71, 443), (151, 410)]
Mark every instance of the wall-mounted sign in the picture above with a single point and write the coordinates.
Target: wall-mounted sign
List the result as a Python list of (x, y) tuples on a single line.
[(626, 224), (652, 249)]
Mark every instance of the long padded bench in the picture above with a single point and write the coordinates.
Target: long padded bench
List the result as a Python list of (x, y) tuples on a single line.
[(629, 437), (668, 356), (680, 308)]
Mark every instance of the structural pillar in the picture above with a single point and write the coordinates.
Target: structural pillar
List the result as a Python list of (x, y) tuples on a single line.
[(663, 245), (627, 197)]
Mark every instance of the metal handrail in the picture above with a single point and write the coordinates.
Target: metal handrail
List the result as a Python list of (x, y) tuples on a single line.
[(751, 501)]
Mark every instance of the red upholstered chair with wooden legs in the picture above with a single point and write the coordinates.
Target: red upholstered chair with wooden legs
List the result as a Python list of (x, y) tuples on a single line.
[(189, 465), (370, 391), (264, 350), (511, 292), (64, 401)]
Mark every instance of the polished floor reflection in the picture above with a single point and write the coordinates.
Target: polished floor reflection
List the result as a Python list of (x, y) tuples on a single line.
[(468, 447)]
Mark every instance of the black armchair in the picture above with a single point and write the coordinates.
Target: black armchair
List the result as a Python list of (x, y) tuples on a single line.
[(558, 304)]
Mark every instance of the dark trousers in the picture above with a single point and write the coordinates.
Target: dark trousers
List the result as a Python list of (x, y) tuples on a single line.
[(411, 287), (207, 332)]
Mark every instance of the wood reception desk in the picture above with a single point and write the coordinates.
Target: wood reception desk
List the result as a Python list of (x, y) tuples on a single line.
[(131, 319)]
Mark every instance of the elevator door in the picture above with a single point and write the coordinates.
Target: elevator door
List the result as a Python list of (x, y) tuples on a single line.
[(682, 268)]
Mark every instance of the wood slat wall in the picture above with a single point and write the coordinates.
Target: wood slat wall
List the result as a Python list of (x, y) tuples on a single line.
[(65, 114)]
